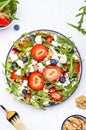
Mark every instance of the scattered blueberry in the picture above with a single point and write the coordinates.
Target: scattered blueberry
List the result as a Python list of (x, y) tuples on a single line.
[(24, 59), (53, 61), (24, 91), (32, 37), (16, 27), (14, 65), (62, 79), (72, 51)]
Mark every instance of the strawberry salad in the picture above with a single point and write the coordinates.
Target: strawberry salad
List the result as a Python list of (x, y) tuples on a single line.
[(43, 68), (7, 12)]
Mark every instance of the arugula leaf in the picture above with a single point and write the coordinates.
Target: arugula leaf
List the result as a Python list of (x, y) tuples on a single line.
[(64, 40), (81, 21), (4, 4)]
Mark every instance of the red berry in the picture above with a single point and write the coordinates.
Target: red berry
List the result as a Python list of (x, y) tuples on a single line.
[(49, 39), (39, 52), (36, 81), (52, 72)]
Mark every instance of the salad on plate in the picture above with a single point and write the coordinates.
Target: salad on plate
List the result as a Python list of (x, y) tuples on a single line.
[(43, 68), (7, 12)]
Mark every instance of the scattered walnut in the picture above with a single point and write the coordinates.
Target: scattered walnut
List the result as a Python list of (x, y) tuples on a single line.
[(36, 67), (75, 123), (81, 102), (50, 53)]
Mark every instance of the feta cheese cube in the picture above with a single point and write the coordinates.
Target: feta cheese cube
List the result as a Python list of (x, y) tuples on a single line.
[(63, 59), (38, 39), (13, 57), (18, 72), (25, 82), (55, 43), (20, 63)]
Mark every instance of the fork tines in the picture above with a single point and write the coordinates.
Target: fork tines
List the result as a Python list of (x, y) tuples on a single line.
[(17, 123)]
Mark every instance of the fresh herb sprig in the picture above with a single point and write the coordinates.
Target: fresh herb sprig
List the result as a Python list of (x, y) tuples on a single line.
[(82, 14)]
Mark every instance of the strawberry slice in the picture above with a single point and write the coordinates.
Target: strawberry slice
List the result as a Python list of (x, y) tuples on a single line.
[(14, 76), (56, 96), (4, 21), (52, 72), (39, 52), (77, 67), (49, 39), (35, 81)]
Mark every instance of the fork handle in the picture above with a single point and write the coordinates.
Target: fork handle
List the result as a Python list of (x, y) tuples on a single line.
[(3, 108)]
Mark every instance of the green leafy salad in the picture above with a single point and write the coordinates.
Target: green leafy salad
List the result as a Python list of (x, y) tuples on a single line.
[(43, 68)]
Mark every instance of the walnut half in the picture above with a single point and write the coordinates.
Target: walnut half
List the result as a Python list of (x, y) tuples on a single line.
[(81, 102)]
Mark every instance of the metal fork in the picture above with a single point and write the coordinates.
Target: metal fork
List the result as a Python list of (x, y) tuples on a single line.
[(14, 118)]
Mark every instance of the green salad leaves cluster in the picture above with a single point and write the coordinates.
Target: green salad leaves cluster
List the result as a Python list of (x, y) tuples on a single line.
[(10, 7)]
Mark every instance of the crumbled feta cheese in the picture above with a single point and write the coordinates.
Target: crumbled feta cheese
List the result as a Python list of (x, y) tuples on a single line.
[(38, 39), (55, 37), (34, 62), (55, 43), (13, 57), (76, 57), (48, 62), (18, 72), (25, 82), (41, 66), (45, 90), (46, 103), (20, 63), (63, 59), (31, 68)]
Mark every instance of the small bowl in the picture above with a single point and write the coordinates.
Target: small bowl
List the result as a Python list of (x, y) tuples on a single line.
[(73, 123)]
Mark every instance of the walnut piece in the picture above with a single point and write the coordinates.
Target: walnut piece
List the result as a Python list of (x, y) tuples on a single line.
[(81, 102)]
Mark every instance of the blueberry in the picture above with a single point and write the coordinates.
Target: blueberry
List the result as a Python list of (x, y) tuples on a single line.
[(24, 59), (16, 27), (62, 79), (53, 61), (72, 51), (14, 65), (32, 37), (24, 91)]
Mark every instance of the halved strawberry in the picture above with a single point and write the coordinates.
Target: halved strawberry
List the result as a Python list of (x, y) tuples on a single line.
[(35, 81), (14, 76), (49, 39), (52, 72), (4, 21), (39, 52), (56, 96), (77, 67)]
